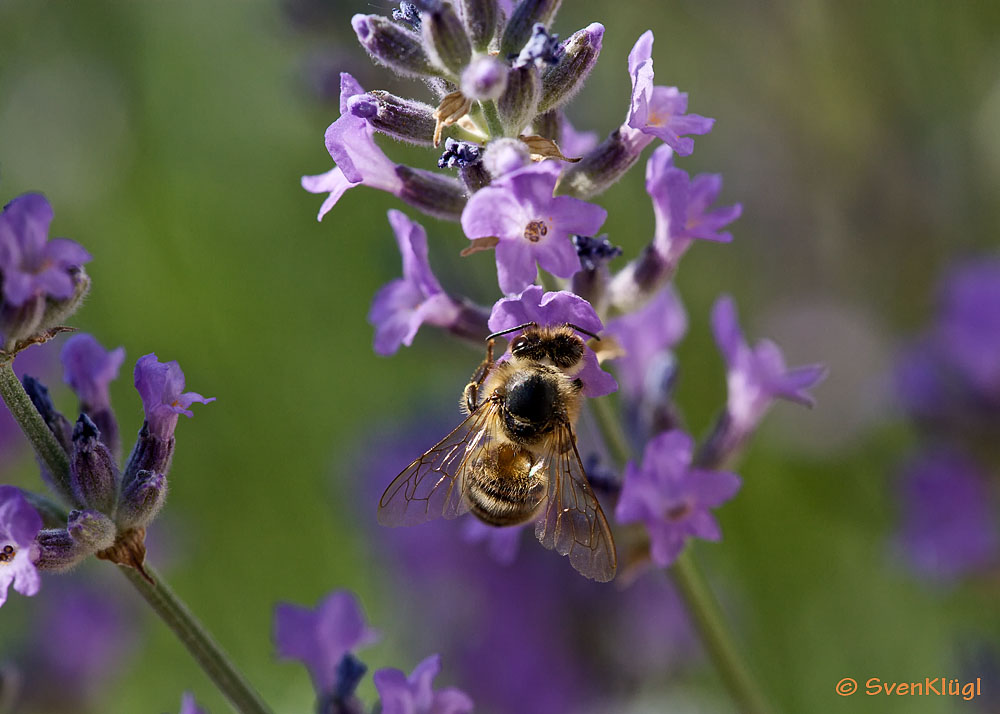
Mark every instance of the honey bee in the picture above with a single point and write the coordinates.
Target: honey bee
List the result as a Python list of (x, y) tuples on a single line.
[(514, 458)]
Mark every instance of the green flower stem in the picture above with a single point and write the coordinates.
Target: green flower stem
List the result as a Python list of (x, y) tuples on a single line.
[(198, 641), (715, 635), (492, 118), (49, 451), (698, 597)]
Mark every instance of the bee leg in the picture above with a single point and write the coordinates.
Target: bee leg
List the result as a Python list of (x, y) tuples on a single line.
[(470, 396)]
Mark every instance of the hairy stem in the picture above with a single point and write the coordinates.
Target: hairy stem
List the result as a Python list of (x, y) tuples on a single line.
[(49, 451), (198, 641), (492, 118)]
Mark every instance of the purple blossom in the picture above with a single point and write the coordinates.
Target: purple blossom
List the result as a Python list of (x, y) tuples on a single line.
[(402, 306), (320, 638), (19, 525), (671, 498), (646, 336), (968, 324), (756, 376), (556, 308), (351, 142), (572, 142), (680, 205), (90, 369), (30, 264), (189, 705), (161, 385), (502, 543), (948, 526), (530, 224), (415, 694), (660, 111)]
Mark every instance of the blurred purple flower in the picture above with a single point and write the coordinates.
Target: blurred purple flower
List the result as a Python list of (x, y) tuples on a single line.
[(320, 638), (756, 376), (30, 264), (402, 306), (660, 111), (415, 694), (531, 224), (556, 308), (968, 323), (949, 528), (160, 385), (90, 369), (503, 543), (350, 141), (574, 143), (646, 335), (19, 524), (671, 498), (189, 705)]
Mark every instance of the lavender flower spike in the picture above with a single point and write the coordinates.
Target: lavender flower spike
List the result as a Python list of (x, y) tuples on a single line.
[(402, 306), (550, 309), (660, 111), (671, 498), (89, 370), (756, 376), (415, 694), (19, 526), (530, 224), (160, 385), (320, 638)]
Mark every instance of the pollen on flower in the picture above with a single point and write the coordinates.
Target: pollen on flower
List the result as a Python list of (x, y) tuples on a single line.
[(535, 230), (7, 554)]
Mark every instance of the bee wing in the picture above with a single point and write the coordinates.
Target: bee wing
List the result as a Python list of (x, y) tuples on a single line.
[(573, 523), (434, 484)]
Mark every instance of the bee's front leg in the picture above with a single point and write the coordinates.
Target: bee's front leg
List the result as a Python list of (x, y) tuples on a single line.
[(470, 395)]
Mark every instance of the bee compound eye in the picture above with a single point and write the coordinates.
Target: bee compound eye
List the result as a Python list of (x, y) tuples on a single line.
[(519, 344)]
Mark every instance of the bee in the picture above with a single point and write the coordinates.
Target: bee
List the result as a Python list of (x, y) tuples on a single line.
[(514, 458)]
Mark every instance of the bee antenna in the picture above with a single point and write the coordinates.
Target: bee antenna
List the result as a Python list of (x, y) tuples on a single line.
[(586, 332), (501, 333)]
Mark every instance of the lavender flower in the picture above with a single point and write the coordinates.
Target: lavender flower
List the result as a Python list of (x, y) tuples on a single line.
[(968, 324), (660, 111), (415, 694), (948, 527), (41, 280), (671, 498), (556, 308), (19, 525), (646, 336), (402, 306), (90, 369), (756, 376), (530, 224), (320, 638), (161, 384)]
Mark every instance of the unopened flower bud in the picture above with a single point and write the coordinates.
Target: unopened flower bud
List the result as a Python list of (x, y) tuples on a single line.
[(91, 529), (397, 48), (592, 279), (548, 125), (519, 102), (150, 453), (404, 119), (485, 78), (141, 500), (505, 155), (526, 15), (59, 425), (93, 473), (602, 166), (481, 21), (563, 79), (444, 34), (58, 551), (432, 193)]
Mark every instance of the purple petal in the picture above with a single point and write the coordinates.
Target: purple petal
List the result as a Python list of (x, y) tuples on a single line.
[(558, 256), (494, 211), (90, 369), (573, 216), (641, 51), (726, 328), (26, 220), (515, 266), (333, 182)]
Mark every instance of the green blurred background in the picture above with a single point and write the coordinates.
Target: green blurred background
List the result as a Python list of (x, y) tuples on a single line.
[(863, 140)]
